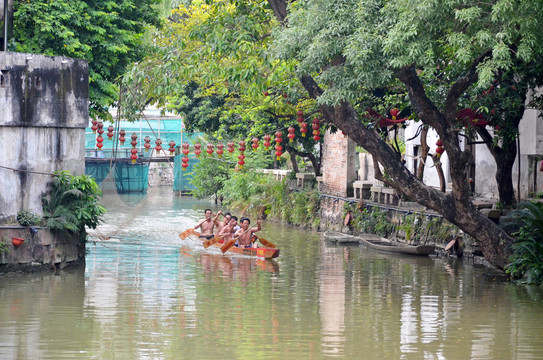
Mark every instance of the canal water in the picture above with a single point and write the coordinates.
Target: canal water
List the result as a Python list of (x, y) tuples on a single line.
[(146, 294)]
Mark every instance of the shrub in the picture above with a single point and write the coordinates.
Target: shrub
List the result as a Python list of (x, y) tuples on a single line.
[(526, 263), (72, 203), (28, 218)]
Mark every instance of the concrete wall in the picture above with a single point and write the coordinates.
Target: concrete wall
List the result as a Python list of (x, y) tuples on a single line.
[(338, 164), (41, 249), (44, 111)]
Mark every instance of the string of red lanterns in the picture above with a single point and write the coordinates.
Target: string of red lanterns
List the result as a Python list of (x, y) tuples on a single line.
[(122, 138), (241, 156), (147, 143), (267, 142), (94, 126), (278, 147), (172, 147), (197, 149), (209, 149), (158, 146), (110, 134), (220, 150), (185, 159), (134, 151), (230, 147), (316, 129), (439, 150), (255, 144)]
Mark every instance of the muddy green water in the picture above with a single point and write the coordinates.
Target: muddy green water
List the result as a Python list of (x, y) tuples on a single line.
[(146, 294)]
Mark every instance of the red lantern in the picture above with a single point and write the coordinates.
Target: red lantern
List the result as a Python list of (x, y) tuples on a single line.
[(185, 162), (241, 157), (172, 147), (230, 147), (186, 150), (316, 132), (100, 128), (134, 137), (300, 113), (209, 149), (291, 134), (110, 130), (278, 151), (255, 144), (94, 126), (99, 142), (241, 146), (394, 113), (147, 143), (303, 128), (220, 150), (241, 163), (439, 143), (158, 146), (134, 155), (197, 150), (267, 143), (122, 139)]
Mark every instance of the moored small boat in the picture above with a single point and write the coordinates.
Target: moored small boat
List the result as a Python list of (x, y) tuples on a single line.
[(380, 243)]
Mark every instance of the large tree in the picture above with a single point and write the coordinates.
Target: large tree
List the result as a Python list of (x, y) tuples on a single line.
[(109, 34), (211, 64), (443, 54)]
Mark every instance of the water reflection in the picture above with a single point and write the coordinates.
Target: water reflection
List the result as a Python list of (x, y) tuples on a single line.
[(146, 294)]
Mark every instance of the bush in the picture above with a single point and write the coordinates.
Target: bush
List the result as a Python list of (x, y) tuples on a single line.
[(72, 203), (259, 195), (28, 218), (527, 259)]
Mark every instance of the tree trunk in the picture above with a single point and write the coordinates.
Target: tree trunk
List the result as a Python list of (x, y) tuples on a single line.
[(424, 149), (440, 174), (456, 207), (294, 162)]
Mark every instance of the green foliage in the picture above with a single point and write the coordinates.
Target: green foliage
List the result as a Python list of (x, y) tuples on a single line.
[(222, 78), (259, 195), (72, 203), (374, 221), (109, 34), (3, 247), (526, 263), (209, 176), (28, 218)]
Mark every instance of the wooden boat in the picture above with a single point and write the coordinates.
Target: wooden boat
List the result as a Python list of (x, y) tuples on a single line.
[(259, 252), (384, 244), (380, 243)]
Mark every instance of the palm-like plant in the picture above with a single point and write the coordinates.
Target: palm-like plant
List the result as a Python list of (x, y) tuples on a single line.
[(72, 203), (527, 260)]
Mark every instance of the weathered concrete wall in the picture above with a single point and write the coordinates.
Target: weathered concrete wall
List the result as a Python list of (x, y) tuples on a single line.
[(44, 111), (41, 249), (338, 164)]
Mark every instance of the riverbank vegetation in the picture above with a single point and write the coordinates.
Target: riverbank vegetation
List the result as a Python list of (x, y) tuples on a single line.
[(526, 224)]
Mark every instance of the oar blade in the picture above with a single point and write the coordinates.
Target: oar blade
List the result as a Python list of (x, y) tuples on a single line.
[(228, 245), (186, 234), (208, 243), (266, 243)]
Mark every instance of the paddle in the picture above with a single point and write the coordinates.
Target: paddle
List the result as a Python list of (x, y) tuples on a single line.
[(265, 242), (186, 233), (208, 243), (230, 243)]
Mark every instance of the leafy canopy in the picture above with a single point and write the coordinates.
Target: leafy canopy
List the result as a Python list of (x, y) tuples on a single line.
[(108, 34)]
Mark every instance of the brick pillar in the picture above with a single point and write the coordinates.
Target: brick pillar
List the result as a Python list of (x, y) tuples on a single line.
[(338, 164)]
